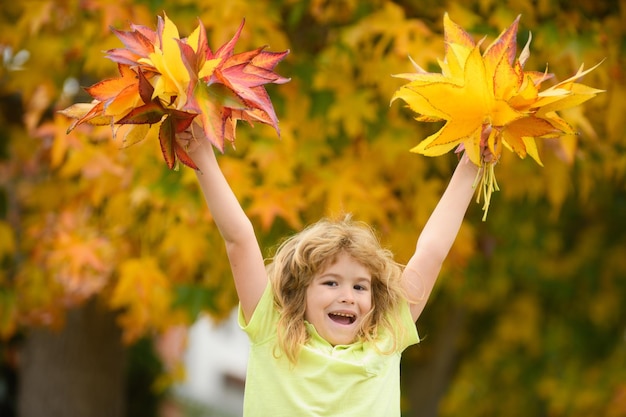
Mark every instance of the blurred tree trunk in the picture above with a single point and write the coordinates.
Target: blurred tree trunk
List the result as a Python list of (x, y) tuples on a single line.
[(427, 382), (76, 372)]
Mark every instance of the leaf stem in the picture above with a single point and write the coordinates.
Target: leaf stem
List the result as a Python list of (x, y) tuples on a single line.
[(486, 182)]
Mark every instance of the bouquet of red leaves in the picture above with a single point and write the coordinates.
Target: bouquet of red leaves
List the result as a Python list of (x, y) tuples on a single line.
[(168, 82)]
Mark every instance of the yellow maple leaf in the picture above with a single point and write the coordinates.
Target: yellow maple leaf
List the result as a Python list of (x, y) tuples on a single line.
[(75, 257), (488, 102), (167, 59), (143, 292)]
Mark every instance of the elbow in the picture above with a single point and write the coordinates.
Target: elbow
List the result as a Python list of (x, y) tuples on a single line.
[(432, 251), (242, 234)]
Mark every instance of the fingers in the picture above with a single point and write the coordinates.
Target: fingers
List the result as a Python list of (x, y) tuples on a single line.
[(184, 139), (487, 155), (193, 140), (189, 137)]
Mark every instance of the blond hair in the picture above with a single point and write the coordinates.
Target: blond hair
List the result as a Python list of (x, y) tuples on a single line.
[(299, 258)]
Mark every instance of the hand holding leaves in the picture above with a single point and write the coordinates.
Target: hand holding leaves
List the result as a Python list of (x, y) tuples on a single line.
[(173, 82), (488, 101)]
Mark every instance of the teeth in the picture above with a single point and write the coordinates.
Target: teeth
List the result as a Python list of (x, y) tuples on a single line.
[(343, 314)]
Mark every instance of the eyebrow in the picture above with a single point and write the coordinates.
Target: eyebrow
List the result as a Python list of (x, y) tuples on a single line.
[(333, 275)]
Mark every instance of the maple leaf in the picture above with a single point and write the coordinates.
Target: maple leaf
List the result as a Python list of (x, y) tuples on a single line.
[(139, 44), (169, 80), (270, 202), (171, 121), (244, 98), (113, 98), (166, 58), (143, 291), (488, 102)]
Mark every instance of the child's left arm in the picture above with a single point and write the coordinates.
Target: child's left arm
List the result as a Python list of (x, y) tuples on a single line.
[(438, 236)]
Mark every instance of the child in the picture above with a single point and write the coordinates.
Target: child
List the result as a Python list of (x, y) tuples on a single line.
[(329, 317)]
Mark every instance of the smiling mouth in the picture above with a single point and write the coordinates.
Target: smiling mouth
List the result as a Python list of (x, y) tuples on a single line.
[(342, 318)]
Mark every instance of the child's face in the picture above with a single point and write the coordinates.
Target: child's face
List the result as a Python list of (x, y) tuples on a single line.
[(337, 300)]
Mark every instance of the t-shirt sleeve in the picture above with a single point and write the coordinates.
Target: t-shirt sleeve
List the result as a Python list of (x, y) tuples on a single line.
[(262, 324)]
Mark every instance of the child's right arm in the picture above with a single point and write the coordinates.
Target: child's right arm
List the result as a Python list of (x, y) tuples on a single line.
[(244, 254)]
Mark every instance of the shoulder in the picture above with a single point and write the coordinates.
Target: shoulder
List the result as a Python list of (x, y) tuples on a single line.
[(264, 319), (402, 331)]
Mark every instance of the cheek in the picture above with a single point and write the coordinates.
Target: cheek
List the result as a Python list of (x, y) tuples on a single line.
[(366, 303), (369, 304)]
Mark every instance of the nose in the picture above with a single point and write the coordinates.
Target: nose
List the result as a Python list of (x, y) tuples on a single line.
[(347, 297)]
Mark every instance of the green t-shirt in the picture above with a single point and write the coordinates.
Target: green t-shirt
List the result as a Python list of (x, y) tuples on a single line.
[(345, 380)]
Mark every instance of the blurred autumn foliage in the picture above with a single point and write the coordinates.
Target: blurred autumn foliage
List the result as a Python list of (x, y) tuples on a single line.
[(528, 318)]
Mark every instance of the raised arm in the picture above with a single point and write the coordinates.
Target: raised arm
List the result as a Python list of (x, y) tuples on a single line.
[(438, 236), (244, 254)]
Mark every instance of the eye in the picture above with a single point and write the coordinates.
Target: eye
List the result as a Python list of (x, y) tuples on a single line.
[(330, 283), (359, 287)]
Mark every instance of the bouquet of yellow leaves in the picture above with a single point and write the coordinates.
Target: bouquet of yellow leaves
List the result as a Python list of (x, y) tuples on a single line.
[(172, 82), (488, 102)]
